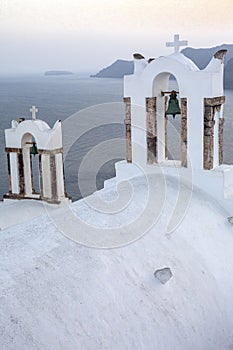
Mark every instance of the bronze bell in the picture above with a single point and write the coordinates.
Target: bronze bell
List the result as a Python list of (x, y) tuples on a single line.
[(33, 149), (173, 105)]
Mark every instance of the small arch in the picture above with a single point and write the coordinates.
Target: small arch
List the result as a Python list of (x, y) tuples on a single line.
[(31, 173), (169, 133)]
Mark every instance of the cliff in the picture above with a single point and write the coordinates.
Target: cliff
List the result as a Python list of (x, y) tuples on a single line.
[(200, 57)]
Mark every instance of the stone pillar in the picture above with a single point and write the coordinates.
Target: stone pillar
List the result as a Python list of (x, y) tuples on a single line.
[(13, 170), (183, 131), (165, 126), (210, 107), (220, 139), (59, 176), (151, 129), (41, 177), (45, 178), (127, 101), (9, 172), (33, 189), (27, 170), (21, 173), (53, 178)]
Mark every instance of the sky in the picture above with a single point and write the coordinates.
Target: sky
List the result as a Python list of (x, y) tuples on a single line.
[(87, 35)]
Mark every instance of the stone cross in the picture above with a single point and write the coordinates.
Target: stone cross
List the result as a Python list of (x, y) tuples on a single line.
[(33, 110), (177, 43)]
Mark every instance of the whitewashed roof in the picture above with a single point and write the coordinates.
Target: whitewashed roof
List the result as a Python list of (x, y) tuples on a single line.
[(57, 294)]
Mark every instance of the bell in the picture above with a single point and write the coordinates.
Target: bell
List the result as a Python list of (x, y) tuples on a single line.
[(33, 149), (173, 105)]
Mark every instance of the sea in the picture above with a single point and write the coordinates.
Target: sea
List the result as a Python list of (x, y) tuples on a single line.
[(58, 98)]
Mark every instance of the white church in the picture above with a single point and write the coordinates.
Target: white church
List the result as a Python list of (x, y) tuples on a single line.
[(166, 283)]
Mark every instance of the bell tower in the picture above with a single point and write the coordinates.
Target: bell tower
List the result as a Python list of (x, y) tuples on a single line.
[(34, 138), (201, 98)]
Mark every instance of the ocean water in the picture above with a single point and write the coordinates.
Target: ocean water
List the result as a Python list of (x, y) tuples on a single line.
[(60, 97)]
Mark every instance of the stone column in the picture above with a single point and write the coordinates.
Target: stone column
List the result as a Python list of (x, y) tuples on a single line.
[(45, 178), (9, 172), (220, 139), (127, 101), (41, 177), (27, 170), (13, 170), (165, 126), (32, 180), (151, 129), (21, 173), (183, 131), (59, 176), (53, 178), (210, 107)]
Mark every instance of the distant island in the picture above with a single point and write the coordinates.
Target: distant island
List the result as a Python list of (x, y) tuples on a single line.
[(201, 57), (116, 70), (58, 72)]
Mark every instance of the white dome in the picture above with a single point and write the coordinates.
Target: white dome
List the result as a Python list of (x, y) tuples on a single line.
[(58, 294)]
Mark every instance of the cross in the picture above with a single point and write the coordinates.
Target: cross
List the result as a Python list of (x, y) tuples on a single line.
[(33, 110), (177, 43)]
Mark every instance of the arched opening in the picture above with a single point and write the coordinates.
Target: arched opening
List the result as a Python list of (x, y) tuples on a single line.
[(30, 162), (173, 127), (171, 132)]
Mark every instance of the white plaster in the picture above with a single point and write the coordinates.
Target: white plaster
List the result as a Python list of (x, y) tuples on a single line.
[(61, 295), (14, 172), (139, 65), (46, 138)]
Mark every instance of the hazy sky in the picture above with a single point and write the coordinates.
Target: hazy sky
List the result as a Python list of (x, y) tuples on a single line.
[(86, 35)]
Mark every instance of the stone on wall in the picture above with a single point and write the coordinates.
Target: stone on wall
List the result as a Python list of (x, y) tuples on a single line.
[(163, 275)]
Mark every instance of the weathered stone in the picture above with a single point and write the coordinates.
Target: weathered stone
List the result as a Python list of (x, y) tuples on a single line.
[(163, 275), (138, 56), (208, 134), (214, 101), (150, 60), (9, 172), (127, 102), (13, 150), (211, 106), (54, 151), (53, 177), (220, 55), (184, 132), (21, 174), (220, 139), (151, 129), (230, 220), (41, 176)]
